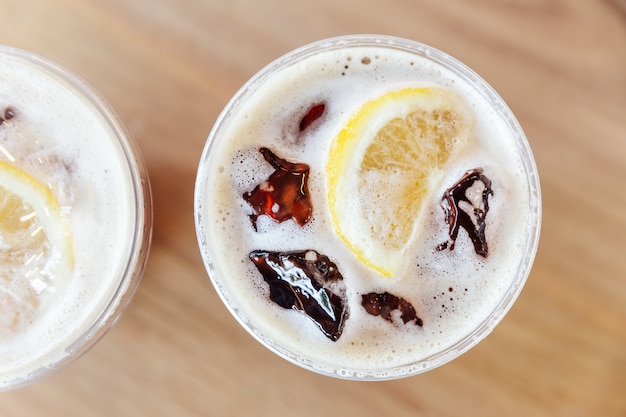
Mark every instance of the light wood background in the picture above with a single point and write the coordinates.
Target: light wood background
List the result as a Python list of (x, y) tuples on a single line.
[(169, 66)]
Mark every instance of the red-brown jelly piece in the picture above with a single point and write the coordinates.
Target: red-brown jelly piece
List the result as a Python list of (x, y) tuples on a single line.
[(8, 114), (384, 304), (308, 282), (473, 221), (312, 115), (284, 195)]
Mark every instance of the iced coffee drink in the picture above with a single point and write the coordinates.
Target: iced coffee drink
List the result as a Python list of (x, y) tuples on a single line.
[(75, 217), (367, 207)]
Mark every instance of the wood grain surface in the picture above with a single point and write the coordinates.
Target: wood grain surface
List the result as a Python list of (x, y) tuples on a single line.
[(169, 66)]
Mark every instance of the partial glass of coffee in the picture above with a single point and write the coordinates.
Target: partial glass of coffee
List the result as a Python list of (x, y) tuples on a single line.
[(76, 217)]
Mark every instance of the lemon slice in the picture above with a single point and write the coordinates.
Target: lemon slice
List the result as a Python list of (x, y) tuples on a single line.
[(36, 255), (384, 163)]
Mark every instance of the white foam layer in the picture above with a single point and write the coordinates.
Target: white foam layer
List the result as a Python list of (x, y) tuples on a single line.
[(60, 138), (454, 292)]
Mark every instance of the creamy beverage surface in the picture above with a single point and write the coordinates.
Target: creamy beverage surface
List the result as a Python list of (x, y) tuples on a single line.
[(452, 292), (54, 136)]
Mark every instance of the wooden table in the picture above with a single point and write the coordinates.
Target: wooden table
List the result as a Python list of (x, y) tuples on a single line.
[(168, 67)]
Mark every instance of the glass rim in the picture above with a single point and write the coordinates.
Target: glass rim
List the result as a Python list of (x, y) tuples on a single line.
[(130, 276), (479, 85)]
